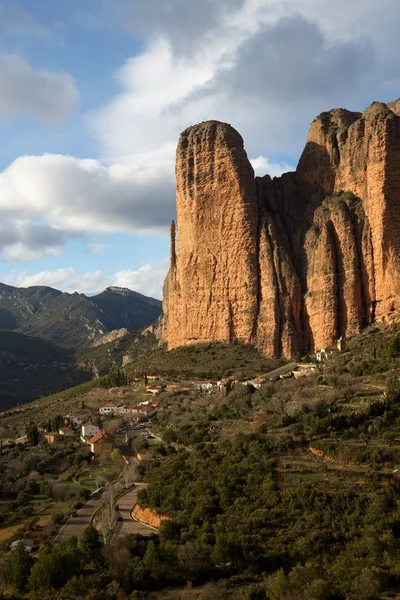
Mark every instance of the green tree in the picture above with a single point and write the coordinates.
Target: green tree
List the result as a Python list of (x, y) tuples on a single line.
[(58, 422), (277, 585), (134, 574), (32, 434), (32, 487), (151, 559), (393, 347), (20, 565), (47, 572), (90, 545), (76, 587), (54, 567)]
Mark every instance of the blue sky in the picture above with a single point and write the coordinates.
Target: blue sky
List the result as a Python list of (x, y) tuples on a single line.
[(94, 94)]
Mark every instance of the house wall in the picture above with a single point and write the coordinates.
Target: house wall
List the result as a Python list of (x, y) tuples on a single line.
[(89, 430), (101, 448)]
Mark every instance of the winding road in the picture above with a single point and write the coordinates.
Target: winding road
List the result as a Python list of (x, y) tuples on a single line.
[(75, 526), (130, 525)]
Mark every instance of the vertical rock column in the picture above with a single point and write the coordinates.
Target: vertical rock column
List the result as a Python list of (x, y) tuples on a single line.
[(212, 288)]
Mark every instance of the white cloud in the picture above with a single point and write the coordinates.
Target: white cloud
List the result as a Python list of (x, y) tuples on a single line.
[(23, 239), (25, 91), (265, 66), (83, 195), (263, 166), (147, 279)]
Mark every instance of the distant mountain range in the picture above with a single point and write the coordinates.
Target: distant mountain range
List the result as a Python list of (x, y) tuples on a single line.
[(74, 319), (50, 340)]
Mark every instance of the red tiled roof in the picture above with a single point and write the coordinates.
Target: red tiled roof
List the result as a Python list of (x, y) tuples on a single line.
[(100, 435)]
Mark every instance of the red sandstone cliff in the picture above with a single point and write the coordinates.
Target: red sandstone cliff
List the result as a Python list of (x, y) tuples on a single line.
[(293, 263)]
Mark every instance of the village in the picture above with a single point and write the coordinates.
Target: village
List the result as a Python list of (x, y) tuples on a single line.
[(112, 429), (88, 424)]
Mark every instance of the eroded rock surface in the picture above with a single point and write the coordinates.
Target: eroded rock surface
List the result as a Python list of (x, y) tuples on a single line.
[(289, 264)]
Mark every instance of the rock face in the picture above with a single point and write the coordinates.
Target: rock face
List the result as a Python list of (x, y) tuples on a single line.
[(289, 264)]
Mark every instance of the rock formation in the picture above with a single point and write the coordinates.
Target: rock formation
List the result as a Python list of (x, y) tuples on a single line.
[(289, 264)]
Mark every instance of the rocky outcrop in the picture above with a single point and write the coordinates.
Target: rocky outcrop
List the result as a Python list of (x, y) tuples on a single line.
[(289, 264), (113, 336), (148, 516)]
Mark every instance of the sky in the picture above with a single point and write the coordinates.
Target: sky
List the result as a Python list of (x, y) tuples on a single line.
[(94, 95)]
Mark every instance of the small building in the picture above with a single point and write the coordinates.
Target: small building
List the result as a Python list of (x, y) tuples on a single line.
[(203, 386), (331, 351), (66, 432), (27, 543), (21, 440), (107, 410), (154, 389), (101, 444), (89, 430), (53, 437), (79, 416), (324, 354)]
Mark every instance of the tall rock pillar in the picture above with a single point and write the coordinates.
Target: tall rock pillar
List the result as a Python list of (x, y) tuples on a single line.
[(212, 287)]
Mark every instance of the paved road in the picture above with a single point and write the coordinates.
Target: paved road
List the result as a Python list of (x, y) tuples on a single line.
[(129, 525), (75, 526)]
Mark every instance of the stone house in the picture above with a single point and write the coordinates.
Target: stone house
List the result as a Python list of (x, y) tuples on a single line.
[(101, 444), (331, 351), (79, 416), (67, 433)]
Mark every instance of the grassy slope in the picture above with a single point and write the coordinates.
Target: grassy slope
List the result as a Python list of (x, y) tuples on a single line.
[(207, 360)]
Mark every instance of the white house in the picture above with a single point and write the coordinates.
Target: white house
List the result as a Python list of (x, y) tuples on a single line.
[(203, 386), (89, 430), (332, 351), (107, 410)]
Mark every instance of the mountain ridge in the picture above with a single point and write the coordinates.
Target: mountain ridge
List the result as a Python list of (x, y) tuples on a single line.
[(74, 319)]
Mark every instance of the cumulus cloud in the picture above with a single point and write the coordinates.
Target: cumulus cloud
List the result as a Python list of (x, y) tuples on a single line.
[(293, 59), (84, 196), (263, 166), (147, 279), (25, 91), (184, 23), (22, 239), (265, 66)]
